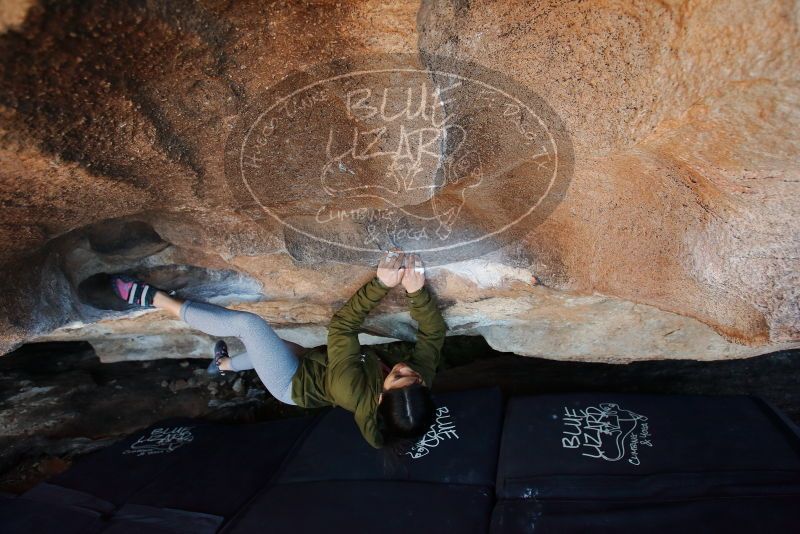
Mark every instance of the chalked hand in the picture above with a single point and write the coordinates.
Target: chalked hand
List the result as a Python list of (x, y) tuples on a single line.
[(414, 277), (390, 268)]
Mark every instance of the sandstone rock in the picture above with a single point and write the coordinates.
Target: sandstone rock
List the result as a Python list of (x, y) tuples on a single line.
[(178, 385), (258, 392), (677, 237), (238, 386)]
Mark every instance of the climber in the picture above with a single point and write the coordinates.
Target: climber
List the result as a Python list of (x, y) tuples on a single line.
[(387, 390)]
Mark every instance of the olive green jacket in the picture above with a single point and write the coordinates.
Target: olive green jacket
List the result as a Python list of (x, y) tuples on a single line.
[(349, 375)]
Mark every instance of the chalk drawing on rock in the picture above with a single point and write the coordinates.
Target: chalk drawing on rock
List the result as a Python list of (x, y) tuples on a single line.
[(447, 159)]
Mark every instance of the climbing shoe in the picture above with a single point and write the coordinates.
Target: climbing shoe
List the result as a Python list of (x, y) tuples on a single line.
[(220, 351), (133, 291)]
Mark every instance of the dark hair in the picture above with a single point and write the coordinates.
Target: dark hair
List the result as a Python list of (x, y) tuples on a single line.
[(406, 414)]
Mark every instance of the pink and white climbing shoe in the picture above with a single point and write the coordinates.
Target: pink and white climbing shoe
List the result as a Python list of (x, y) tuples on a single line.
[(133, 291)]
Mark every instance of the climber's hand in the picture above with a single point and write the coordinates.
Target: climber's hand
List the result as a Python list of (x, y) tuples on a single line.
[(390, 268), (414, 277)]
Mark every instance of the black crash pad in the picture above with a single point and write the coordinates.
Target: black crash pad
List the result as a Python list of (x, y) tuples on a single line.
[(139, 519), (117, 472), (25, 516), (187, 465), (221, 479), (461, 447), (384, 507), (614, 446), (567, 463), (729, 515)]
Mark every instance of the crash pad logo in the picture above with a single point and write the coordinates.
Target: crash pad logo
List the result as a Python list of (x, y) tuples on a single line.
[(161, 440), (442, 429), (439, 157), (606, 432)]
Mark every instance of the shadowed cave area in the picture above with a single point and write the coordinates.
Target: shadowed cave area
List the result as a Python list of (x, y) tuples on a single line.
[(59, 402), (602, 198)]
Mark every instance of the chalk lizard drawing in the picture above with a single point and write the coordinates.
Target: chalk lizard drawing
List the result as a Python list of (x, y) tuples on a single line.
[(419, 163)]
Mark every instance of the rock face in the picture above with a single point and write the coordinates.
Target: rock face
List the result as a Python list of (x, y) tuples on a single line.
[(674, 234)]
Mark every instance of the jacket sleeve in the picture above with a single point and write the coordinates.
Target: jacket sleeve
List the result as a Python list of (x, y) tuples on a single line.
[(430, 334), (347, 380), (348, 384)]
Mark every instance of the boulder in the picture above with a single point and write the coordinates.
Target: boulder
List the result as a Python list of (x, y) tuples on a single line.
[(668, 229)]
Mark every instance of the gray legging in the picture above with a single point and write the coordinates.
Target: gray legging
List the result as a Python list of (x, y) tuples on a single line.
[(272, 359)]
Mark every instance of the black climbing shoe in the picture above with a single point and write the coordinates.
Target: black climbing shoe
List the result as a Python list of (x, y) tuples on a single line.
[(220, 351)]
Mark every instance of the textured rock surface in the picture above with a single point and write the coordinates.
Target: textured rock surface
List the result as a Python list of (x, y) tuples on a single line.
[(678, 236)]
